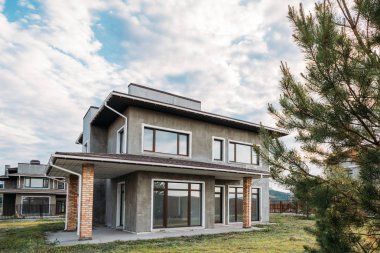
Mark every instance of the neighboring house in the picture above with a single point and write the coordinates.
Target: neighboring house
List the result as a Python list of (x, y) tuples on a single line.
[(153, 161), (26, 191)]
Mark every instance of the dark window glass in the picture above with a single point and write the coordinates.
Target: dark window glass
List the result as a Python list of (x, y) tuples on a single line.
[(218, 204), (217, 150), (61, 185), (148, 139), (255, 157), (236, 204), (255, 205), (159, 185), (239, 206), (177, 204), (158, 209), (232, 204), (35, 205), (1, 184), (121, 141)]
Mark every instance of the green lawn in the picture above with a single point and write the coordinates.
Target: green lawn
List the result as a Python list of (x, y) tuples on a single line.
[(287, 235)]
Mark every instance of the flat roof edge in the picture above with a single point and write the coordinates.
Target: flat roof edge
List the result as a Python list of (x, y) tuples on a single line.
[(100, 159)]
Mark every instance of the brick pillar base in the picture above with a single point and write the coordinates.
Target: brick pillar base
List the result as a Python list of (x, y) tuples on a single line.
[(72, 203), (87, 200), (247, 199)]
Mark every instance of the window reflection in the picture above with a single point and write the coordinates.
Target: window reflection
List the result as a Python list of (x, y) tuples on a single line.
[(177, 204), (166, 142)]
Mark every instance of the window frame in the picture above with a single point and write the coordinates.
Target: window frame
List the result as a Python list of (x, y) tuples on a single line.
[(245, 144), (30, 183), (259, 195), (2, 184), (223, 202), (203, 203), (63, 183), (223, 147), (124, 141), (175, 131), (38, 196)]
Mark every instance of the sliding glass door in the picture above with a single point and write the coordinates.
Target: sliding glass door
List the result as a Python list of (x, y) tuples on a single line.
[(177, 204), (235, 204)]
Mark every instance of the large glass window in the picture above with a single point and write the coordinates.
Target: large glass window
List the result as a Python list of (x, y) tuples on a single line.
[(35, 205), (217, 150), (218, 204), (242, 153), (1, 184), (235, 204), (177, 204), (31, 182), (166, 142)]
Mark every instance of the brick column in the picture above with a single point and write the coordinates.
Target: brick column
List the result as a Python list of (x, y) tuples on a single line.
[(86, 202), (247, 199), (72, 203)]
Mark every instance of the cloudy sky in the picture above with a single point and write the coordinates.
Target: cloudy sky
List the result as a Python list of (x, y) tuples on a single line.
[(59, 57)]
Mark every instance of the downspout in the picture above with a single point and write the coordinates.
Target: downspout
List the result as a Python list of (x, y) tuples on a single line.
[(125, 124), (67, 196)]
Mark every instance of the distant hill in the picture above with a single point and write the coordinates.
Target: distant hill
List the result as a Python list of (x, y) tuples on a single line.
[(278, 195)]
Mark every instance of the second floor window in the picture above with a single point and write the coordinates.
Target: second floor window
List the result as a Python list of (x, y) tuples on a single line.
[(242, 153), (31, 182), (121, 141), (1, 184), (217, 149), (167, 142), (60, 185)]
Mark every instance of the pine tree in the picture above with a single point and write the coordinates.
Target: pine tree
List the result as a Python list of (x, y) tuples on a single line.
[(333, 108)]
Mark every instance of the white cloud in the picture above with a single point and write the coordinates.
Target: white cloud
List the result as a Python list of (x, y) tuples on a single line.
[(52, 70)]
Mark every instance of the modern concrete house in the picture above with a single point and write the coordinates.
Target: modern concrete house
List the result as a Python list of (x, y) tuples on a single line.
[(155, 161), (26, 191)]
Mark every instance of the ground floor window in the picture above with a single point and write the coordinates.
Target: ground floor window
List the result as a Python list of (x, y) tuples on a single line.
[(1, 204), (177, 204), (235, 204), (60, 207), (35, 205), (218, 204)]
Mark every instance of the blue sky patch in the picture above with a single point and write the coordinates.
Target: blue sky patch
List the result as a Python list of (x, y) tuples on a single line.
[(111, 31), (22, 11)]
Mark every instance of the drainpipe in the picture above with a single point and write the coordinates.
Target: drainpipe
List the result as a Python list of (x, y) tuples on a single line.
[(125, 125), (67, 196)]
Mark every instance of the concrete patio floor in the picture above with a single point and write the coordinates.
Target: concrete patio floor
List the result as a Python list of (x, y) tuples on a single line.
[(105, 234)]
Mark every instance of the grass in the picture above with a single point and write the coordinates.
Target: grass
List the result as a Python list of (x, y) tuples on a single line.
[(287, 235)]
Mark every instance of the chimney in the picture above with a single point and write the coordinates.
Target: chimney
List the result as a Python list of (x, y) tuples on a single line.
[(6, 167), (35, 162)]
